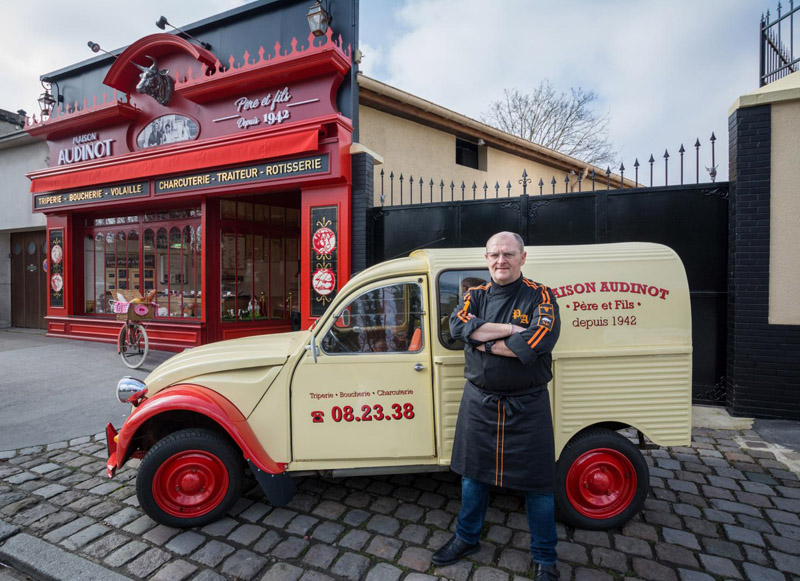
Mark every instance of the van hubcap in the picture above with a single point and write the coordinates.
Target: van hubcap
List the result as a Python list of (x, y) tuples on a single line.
[(601, 483), (190, 484)]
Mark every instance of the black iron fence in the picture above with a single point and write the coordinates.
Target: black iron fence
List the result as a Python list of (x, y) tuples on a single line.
[(398, 189), (690, 219), (777, 45)]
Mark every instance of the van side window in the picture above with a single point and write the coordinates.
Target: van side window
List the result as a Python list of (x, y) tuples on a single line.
[(452, 285), (382, 320)]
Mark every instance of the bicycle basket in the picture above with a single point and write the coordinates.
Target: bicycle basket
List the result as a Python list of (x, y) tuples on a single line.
[(128, 310)]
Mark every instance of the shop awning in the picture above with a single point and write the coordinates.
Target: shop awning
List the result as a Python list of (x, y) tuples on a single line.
[(175, 160)]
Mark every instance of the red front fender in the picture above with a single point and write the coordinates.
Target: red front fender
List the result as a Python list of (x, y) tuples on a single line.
[(192, 398)]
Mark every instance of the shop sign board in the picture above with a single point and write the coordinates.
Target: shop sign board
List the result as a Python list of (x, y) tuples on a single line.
[(324, 257), (91, 196), (315, 164), (56, 245)]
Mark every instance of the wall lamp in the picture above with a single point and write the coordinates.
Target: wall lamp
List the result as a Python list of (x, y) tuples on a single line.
[(46, 100), (162, 23), (318, 18), (96, 48)]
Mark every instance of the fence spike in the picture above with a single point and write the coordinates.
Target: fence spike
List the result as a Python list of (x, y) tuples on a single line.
[(508, 187), (713, 140), (441, 190), (651, 161), (485, 189), (580, 180), (593, 175), (463, 190), (553, 183), (636, 170), (401, 189), (608, 177), (474, 189), (496, 189), (525, 181), (452, 190), (541, 185), (681, 151), (566, 184), (391, 188), (622, 175), (410, 189), (697, 158)]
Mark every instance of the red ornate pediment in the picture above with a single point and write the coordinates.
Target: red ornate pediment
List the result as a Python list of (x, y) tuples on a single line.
[(123, 74)]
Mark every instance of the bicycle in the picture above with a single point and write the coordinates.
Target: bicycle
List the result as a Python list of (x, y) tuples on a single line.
[(132, 342)]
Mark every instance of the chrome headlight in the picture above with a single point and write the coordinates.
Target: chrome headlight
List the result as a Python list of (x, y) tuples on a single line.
[(127, 386)]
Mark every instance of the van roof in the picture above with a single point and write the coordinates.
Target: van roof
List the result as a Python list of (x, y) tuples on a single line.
[(438, 259)]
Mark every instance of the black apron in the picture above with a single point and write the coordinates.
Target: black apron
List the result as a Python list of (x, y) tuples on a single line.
[(506, 440)]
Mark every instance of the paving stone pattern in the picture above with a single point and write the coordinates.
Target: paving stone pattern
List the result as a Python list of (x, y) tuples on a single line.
[(717, 510)]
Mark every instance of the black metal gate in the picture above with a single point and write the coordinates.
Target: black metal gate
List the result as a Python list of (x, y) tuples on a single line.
[(692, 220)]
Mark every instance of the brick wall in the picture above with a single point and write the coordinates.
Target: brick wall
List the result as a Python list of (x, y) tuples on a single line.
[(763, 369), (362, 192)]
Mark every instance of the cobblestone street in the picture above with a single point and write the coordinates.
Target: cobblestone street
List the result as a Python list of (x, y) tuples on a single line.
[(726, 508)]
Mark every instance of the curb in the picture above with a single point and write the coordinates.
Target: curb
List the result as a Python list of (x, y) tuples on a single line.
[(47, 562)]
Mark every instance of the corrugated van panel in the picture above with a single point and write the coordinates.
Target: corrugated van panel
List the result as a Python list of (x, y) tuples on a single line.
[(649, 392)]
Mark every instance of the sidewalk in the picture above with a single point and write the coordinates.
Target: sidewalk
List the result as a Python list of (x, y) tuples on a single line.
[(725, 508)]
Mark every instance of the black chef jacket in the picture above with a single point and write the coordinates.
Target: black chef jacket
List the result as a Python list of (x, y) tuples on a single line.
[(504, 432)]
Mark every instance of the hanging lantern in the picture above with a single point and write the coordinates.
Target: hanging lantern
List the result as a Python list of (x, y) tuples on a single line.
[(318, 19), (46, 101)]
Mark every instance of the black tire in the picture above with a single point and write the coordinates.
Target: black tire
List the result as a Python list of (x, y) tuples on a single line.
[(602, 480), (190, 478), (133, 344)]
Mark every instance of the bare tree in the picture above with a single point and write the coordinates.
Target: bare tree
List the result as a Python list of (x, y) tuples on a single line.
[(563, 122)]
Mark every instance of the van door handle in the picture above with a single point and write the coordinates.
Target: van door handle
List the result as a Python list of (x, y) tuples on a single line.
[(419, 367)]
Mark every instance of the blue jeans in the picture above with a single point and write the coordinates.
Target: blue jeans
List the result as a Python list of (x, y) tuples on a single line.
[(540, 509)]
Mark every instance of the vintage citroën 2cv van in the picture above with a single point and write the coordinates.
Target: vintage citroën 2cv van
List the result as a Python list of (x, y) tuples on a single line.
[(374, 387)]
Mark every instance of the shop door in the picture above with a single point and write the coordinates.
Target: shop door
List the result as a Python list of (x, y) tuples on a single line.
[(259, 266), (369, 395), (28, 280)]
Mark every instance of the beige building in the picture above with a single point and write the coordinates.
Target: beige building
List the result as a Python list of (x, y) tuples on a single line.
[(415, 137), (22, 233)]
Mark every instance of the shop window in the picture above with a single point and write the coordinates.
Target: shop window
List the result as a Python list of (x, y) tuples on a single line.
[(161, 258), (470, 154), (381, 320), (453, 284), (259, 262)]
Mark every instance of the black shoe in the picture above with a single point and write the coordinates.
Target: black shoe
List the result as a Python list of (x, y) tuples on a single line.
[(453, 550), (545, 572)]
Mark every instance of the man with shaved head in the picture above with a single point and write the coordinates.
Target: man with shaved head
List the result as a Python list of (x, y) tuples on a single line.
[(504, 432)]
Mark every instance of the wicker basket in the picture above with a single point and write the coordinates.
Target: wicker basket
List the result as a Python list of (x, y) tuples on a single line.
[(128, 310)]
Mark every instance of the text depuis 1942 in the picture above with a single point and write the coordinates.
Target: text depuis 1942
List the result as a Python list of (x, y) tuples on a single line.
[(272, 116)]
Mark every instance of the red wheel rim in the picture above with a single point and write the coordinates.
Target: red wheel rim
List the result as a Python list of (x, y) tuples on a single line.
[(601, 483), (190, 484)]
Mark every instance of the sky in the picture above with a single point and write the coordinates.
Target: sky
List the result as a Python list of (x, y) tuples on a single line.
[(667, 72)]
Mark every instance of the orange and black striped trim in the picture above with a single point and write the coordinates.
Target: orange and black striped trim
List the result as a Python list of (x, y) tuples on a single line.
[(541, 331), (462, 314), (497, 446), (500, 444)]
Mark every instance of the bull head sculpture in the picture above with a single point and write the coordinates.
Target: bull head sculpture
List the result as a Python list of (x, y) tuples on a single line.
[(158, 84)]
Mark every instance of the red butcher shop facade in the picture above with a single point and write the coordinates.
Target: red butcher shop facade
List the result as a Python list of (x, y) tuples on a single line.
[(216, 177)]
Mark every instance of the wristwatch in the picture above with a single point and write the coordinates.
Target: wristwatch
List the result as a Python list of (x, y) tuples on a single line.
[(488, 346)]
